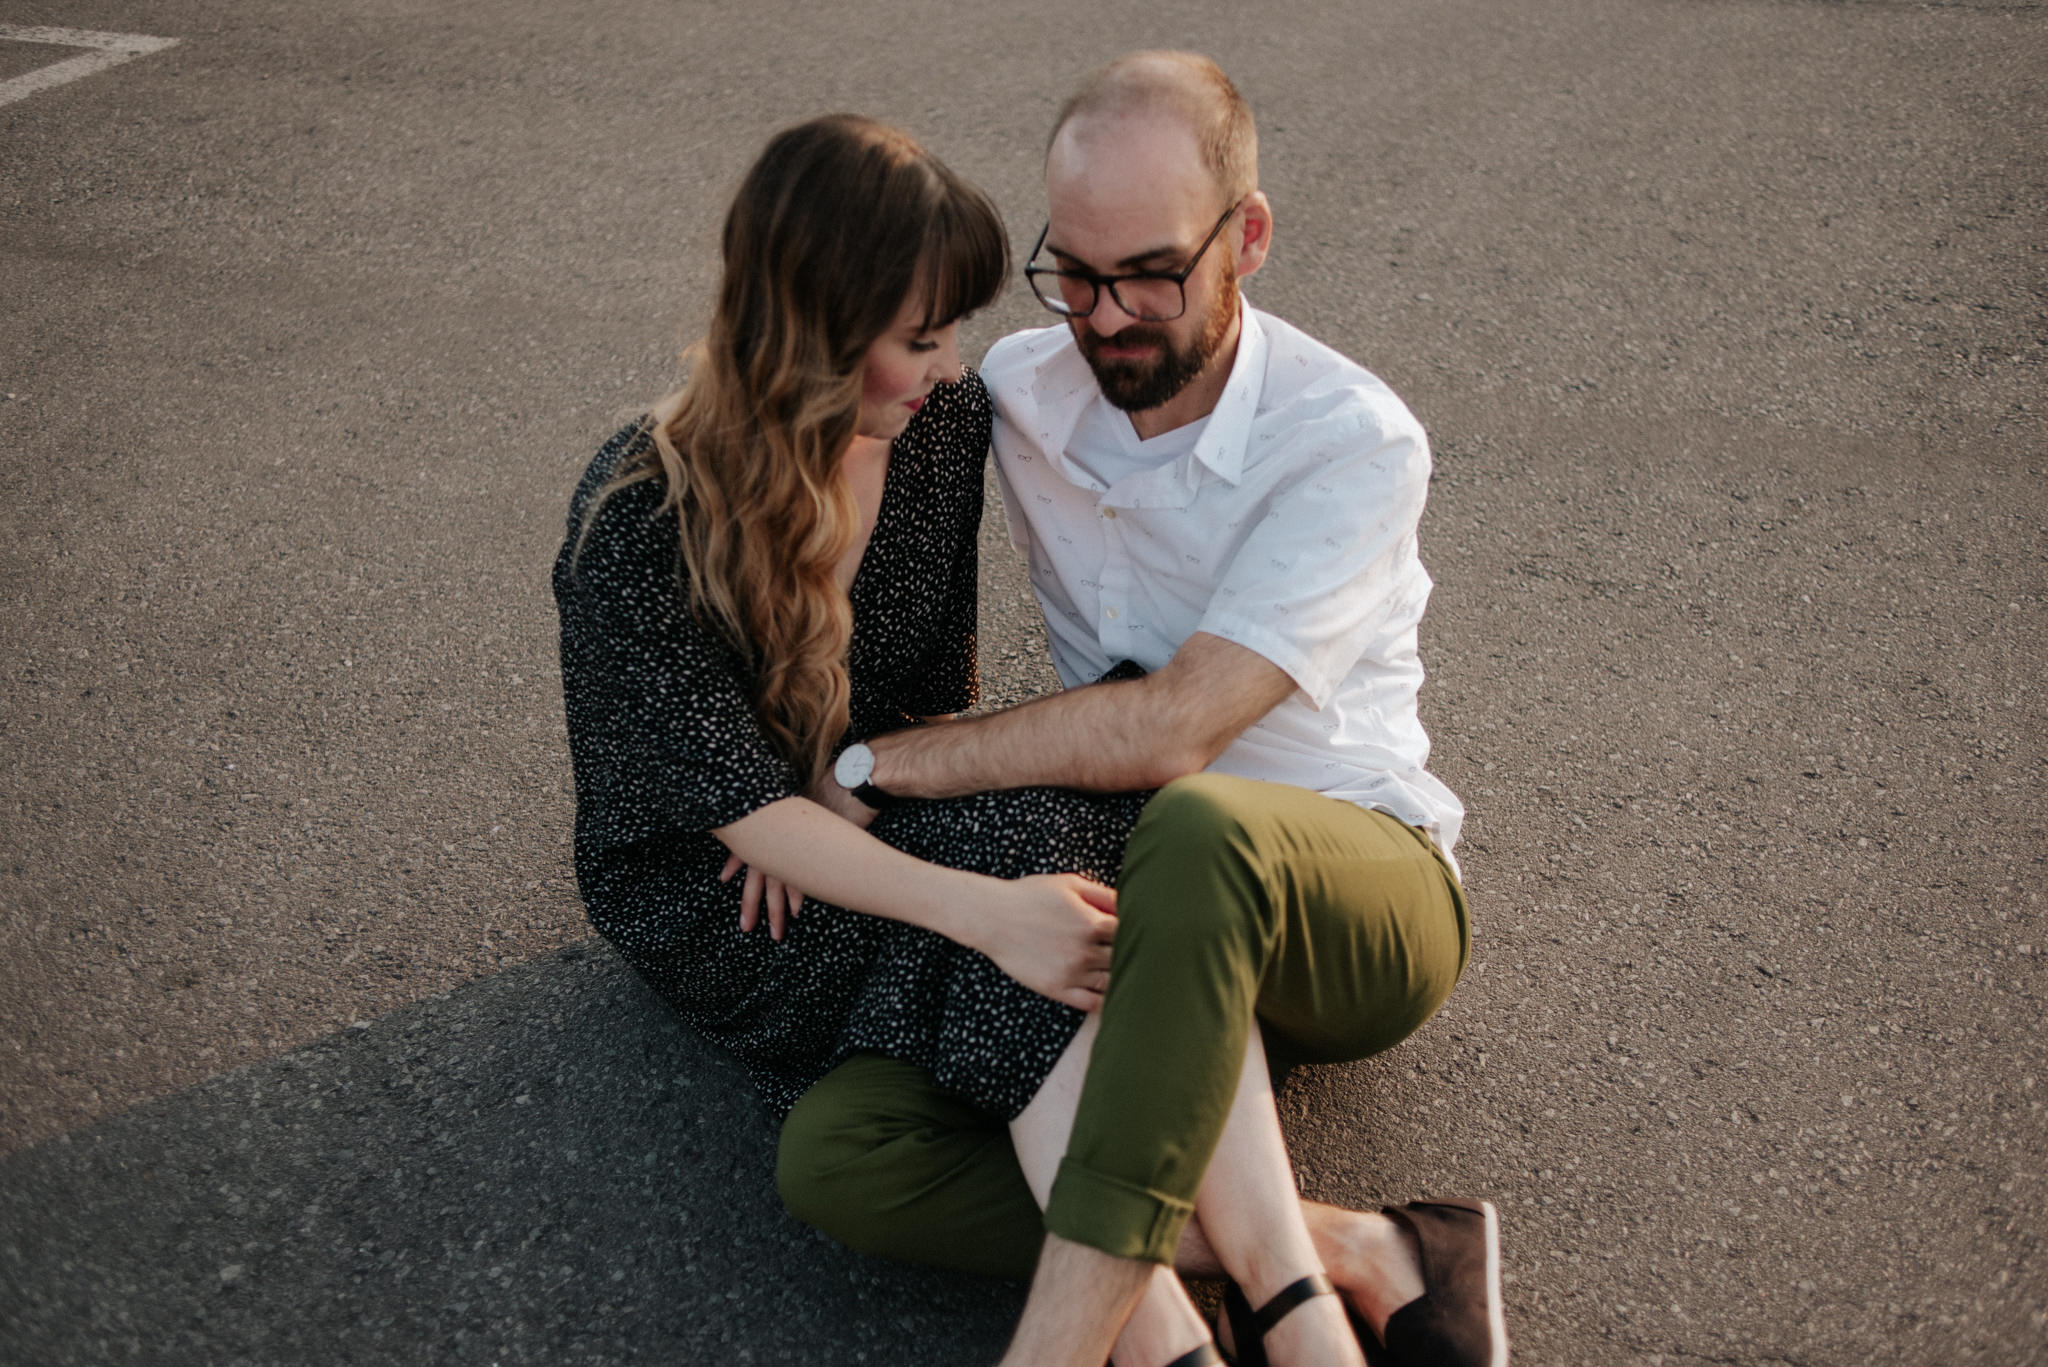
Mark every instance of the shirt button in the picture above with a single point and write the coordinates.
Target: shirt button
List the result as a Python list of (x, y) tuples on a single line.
[(1109, 513), (1110, 613)]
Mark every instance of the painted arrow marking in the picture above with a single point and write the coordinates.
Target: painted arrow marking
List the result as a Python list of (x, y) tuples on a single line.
[(102, 51)]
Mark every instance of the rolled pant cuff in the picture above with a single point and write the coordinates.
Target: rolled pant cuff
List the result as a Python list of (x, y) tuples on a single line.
[(1115, 1217)]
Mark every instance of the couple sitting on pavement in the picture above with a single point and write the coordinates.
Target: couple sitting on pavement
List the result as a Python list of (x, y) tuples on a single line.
[(1021, 984)]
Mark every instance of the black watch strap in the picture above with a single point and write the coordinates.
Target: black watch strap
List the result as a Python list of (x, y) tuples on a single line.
[(879, 799)]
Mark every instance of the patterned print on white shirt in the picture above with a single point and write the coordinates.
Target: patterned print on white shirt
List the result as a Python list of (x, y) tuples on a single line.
[(1289, 528)]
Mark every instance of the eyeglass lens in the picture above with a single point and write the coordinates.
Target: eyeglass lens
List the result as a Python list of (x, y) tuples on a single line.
[(1149, 300)]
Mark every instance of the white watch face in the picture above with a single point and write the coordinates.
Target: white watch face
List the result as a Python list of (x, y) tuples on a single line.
[(856, 765)]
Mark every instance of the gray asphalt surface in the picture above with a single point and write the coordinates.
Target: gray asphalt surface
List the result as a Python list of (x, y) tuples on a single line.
[(544, 1168), (1729, 320)]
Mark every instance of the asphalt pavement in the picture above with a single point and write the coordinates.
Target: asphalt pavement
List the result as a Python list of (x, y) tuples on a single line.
[(1729, 321)]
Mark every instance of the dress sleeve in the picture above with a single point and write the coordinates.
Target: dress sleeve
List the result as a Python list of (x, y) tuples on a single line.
[(949, 679), (661, 723)]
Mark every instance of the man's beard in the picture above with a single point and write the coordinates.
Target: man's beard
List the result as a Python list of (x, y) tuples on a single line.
[(1138, 385)]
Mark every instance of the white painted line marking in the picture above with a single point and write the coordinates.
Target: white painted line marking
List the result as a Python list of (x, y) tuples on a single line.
[(107, 49)]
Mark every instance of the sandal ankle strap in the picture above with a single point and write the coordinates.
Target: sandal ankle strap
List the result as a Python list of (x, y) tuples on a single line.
[(1204, 1356), (1289, 1298)]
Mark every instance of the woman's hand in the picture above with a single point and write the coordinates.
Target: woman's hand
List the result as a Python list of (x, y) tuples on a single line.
[(780, 900), (763, 892), (1052, 933)]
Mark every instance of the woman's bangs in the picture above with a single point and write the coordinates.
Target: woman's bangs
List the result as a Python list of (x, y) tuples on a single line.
[(966, 259)]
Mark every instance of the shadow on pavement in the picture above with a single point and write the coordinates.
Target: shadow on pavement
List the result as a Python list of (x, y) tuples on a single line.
[(543, 1167)]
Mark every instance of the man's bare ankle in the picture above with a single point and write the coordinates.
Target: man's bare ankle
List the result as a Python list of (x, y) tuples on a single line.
[(1079, 1301)]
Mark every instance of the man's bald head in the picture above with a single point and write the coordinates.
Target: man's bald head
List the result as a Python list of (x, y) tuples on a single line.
[(1183, 87)]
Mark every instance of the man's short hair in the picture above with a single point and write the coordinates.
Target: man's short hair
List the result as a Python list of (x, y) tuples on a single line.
[(1182, 85)]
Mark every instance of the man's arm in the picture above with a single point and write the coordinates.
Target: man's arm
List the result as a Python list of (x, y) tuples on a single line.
[(1109, 737)]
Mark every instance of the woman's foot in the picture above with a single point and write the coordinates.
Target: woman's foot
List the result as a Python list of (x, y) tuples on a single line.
[(1311, 1327), (1315, 1333)]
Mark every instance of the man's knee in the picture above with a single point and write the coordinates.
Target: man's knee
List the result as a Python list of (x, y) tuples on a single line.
[(832, 1160), (1192, 858), (1194, 810)]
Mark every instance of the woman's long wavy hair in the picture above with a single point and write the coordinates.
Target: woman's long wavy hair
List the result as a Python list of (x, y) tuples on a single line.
[(840, 222)]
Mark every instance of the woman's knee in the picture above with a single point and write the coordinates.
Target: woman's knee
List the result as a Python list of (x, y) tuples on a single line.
[(812, 1146)]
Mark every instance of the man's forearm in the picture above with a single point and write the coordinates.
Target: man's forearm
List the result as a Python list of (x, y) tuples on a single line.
[(1103, 738)]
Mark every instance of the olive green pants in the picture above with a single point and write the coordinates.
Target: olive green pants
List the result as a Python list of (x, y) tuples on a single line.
[(1341, 929)]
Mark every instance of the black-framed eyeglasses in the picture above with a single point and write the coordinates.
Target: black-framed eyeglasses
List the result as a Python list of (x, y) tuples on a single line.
[(1148, 296)]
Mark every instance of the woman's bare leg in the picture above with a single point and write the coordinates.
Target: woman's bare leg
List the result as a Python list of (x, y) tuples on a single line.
[(1251, 1216), (1374, 1262)]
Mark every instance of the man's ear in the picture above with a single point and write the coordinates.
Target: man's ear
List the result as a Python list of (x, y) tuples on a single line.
[(1257, 233)]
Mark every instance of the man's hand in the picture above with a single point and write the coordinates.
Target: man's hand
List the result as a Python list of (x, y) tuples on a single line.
[(1052, 933)]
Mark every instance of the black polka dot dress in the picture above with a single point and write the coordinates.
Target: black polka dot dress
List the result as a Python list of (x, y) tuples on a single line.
[(666, 748)]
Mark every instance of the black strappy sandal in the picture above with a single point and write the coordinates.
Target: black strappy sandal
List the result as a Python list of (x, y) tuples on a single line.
[(1250, 1327), (1204, 1356)]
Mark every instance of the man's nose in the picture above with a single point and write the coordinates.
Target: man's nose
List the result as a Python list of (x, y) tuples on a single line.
[(1108, 317)]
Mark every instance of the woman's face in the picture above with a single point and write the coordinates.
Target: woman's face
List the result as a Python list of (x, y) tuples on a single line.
[(901, 368)]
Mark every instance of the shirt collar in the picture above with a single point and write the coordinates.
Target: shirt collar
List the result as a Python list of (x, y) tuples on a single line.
[(1063, 386), (1224, 441)]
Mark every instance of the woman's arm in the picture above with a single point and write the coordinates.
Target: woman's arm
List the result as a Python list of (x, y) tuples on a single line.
[(766, 895), (1050, 932)]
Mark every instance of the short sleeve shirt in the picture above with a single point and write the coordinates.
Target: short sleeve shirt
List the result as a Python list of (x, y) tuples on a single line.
[(1287, 527)]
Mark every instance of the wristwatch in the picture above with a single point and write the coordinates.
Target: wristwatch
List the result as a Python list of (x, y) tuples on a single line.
[(856, 765)]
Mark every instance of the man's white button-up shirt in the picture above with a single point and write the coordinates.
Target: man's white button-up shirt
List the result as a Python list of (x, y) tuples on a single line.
[(1287, 527)]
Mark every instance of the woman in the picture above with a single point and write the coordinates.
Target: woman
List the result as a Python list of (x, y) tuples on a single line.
[(778, 561)]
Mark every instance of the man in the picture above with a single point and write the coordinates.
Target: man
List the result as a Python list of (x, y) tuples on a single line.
[(1214, 498)]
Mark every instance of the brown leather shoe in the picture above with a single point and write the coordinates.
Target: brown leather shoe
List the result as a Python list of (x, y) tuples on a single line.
[(1457, 1320)]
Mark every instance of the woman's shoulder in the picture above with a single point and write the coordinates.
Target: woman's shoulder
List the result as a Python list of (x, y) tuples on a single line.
[(601, 494), (957, 419), (966, 397), (612, 526), (618, 451)]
